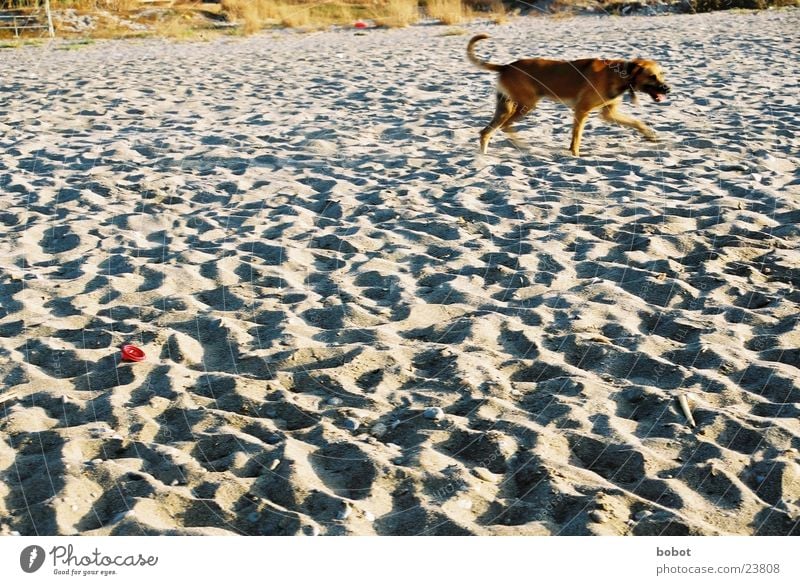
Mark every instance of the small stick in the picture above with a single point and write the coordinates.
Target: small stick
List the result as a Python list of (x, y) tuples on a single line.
[(687, 412)]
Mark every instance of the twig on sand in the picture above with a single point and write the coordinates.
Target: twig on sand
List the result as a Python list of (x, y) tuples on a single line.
[(687, 412)]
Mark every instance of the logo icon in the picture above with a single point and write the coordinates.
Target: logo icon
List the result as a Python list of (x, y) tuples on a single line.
[(31, 558)]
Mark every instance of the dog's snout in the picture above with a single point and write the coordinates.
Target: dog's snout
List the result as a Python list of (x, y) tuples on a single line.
[(665, 88)]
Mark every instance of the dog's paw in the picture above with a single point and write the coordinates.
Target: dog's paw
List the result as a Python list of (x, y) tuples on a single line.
[(651, 135)]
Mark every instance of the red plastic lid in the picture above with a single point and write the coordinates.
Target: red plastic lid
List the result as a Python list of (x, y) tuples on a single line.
[(131, 353), (360, 24)]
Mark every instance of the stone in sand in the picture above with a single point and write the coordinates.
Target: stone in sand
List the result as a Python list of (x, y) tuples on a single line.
[(434, 413)]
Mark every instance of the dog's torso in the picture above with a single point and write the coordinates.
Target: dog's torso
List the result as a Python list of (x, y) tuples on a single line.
[(528, 80)]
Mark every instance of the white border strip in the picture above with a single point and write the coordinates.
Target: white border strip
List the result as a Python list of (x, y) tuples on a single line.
[(462, 560)]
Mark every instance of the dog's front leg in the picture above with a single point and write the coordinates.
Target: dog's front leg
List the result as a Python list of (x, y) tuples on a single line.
[(614, 116), (577, 131)]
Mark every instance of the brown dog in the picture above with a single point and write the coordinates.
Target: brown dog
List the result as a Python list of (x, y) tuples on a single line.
[(583, 84)]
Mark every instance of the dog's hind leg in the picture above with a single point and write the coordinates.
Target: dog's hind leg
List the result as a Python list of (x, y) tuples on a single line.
[(519, 112), (610, 114), (504, 111)]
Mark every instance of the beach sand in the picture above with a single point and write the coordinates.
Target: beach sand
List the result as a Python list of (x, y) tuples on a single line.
[(356, 324)]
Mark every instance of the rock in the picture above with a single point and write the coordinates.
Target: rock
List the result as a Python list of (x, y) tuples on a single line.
[(122, 515), (344, 513), (484, 474), (379, 429), (433, 413), (274, 465), (334, 401), (598, 516), (351, 424)]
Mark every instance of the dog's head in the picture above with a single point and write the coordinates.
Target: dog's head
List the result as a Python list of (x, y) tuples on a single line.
[(648, 77)]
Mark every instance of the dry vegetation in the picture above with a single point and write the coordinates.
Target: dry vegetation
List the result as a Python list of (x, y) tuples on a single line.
[(199, 19), (448, 11), (395, 13), (712, 5), (112, 5), (257, 14), (177, 18)]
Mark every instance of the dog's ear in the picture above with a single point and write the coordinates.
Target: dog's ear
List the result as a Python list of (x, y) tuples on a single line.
[(632, 69)]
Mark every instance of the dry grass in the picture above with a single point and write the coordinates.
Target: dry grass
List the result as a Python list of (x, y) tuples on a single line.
[(252, 16), (112, 5), (449, 11), (453, 32), (17, 43), (712, 5), (256, 14), (175, 26), (457, 11), (294, 16), (395, 13), (497, 12), (190, 18), (564, 8), (252, 13)]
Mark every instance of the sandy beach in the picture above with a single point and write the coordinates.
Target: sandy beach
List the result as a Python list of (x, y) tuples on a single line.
[(354, 323)]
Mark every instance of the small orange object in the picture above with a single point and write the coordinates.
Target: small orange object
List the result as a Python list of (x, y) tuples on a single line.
[(360, 24), (131, 353)]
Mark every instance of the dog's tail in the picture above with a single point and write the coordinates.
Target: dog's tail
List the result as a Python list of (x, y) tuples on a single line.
[(474, 59)]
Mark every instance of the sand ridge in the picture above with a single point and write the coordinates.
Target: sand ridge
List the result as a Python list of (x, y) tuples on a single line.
[(299, 232)]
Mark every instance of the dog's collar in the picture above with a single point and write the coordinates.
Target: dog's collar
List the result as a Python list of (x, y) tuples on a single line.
[(631, 69)]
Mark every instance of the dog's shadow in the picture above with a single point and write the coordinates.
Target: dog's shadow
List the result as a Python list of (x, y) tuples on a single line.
[(526, 149)]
